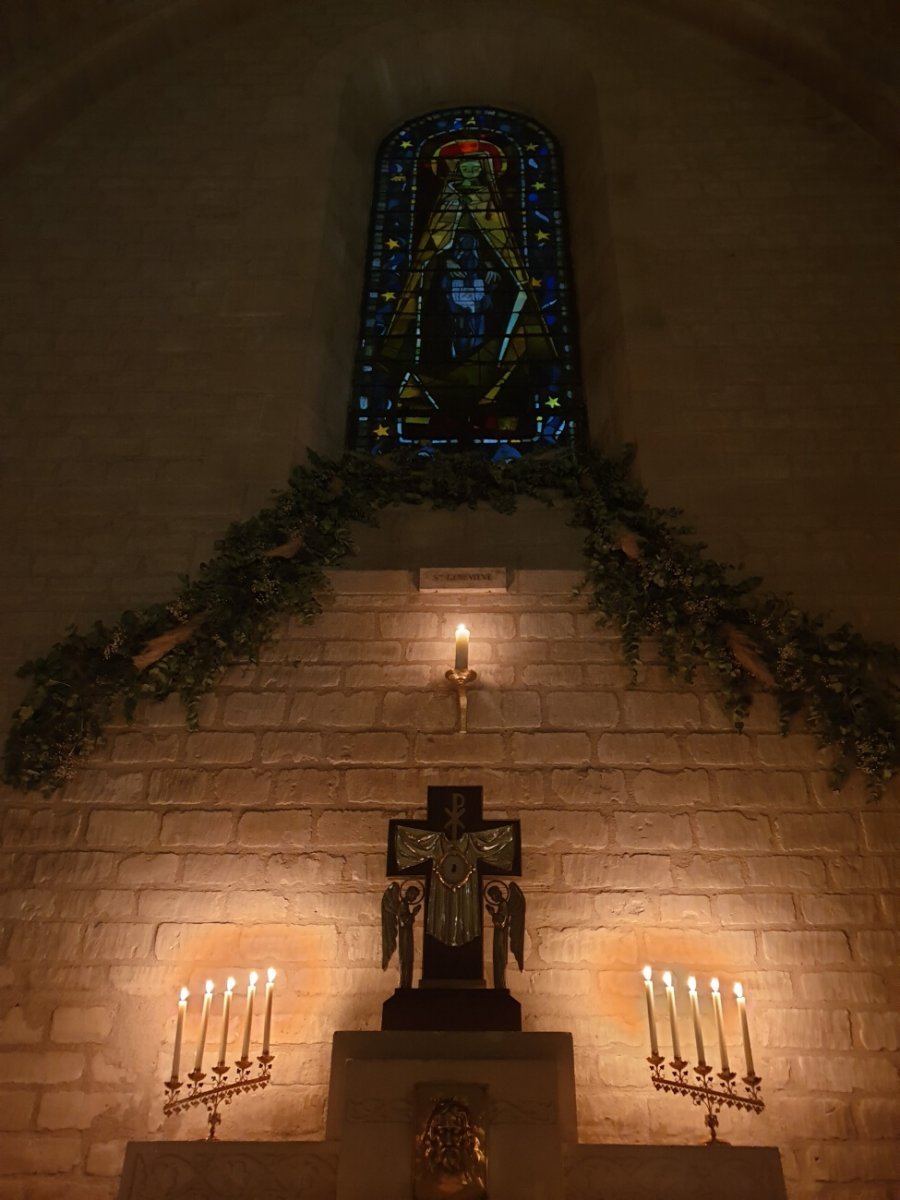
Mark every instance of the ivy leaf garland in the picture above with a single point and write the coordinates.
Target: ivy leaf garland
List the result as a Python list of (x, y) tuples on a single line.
[(643, 572)]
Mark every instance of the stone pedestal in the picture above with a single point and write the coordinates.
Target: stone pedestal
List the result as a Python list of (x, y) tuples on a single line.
[(475, 1009), (530, 1085), (526, 1086)]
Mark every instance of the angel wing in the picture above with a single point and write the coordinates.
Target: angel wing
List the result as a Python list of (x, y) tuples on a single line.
[(516, 903), (390, 915)]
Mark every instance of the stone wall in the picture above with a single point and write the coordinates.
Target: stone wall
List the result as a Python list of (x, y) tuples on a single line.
[(183, 263), (652, 833), (178, 306)]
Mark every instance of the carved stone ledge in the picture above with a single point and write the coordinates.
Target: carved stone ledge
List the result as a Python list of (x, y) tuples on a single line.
[(229, 1171), (678, 1172)]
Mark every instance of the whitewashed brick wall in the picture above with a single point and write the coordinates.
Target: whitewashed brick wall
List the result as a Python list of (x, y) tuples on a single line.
[(652, 833)]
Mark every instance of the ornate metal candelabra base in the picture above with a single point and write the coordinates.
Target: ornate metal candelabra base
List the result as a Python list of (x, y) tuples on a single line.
[(462, 679), (220, 1092), (703, 1093)]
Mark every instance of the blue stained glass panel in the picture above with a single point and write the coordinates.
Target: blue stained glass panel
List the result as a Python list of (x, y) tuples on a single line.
[(466, 287)]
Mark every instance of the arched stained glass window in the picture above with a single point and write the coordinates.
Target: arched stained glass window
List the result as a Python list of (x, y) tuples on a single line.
[(467, 333)]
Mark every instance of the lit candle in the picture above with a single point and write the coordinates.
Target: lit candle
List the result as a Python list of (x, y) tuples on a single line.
[(226, 1017), (651, 1010), (673, 1021), (462, 648), (204, 1023), (720, 1024), (179, 1032), (745, 1028), (695, 1013), (267, 1023), (248, 1018)]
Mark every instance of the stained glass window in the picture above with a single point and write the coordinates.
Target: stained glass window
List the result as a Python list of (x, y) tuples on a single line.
[(467, 333)]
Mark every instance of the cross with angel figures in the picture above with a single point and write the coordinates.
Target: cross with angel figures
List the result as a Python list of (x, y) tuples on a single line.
[(452, 850)]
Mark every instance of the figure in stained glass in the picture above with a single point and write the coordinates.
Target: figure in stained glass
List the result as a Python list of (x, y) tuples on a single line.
[(466, 335)]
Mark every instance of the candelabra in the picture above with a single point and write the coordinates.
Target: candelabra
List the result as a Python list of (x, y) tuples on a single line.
[(222, 1091), (704, 1093)]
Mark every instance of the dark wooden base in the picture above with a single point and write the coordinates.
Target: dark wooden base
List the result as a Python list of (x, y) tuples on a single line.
[(475, 1009)]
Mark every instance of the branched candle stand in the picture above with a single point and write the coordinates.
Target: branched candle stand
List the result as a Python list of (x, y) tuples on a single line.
[(703, 1093), (220, 1092), (223, 1090)]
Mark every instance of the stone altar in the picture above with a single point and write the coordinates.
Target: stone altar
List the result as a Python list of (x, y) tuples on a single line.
[(533, 1152)]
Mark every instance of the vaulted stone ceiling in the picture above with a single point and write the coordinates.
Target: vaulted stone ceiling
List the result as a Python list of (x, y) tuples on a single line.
[(56, 54)]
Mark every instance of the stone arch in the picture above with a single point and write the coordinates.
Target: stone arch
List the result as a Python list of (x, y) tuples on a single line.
[(100, 51)]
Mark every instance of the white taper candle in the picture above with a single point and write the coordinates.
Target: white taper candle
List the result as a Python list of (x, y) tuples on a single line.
[(720, 1023), (651, 1009), (179, 1031), (695, 1014), (226, 1017), (267, 1022), (673, 1019), (462, 648), (248, 1017), (745, 1028), (204, 1025)]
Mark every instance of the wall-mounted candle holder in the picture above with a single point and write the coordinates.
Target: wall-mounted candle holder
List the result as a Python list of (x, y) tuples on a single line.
[(461, 675), (462, 679)]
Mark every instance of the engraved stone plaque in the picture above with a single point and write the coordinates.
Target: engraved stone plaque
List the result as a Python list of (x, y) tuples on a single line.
[(462, 579)]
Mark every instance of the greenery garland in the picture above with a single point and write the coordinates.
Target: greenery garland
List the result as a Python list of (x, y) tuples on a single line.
[(643, 572)]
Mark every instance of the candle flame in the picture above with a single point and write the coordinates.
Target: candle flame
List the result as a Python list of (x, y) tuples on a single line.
[(253, 978), (229, 983), (692, 983), (464, 629), (648, 973), (271, 973), (184, 993), (739, 990), (209, 987), (714, 984), (667, 978)]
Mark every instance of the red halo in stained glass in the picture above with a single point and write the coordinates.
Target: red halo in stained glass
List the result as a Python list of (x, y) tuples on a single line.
[(462, 146)]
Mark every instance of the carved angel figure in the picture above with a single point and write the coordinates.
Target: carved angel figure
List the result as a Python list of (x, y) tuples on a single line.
[(506, 904), (399, 906)]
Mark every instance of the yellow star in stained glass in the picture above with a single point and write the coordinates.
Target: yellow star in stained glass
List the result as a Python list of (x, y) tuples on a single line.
[(541, 236), (535, 283), (397, 178), (406, 145), (553, 401), (392, 244), (389, 295), (539, 187), (531, 146), (381, 430)]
